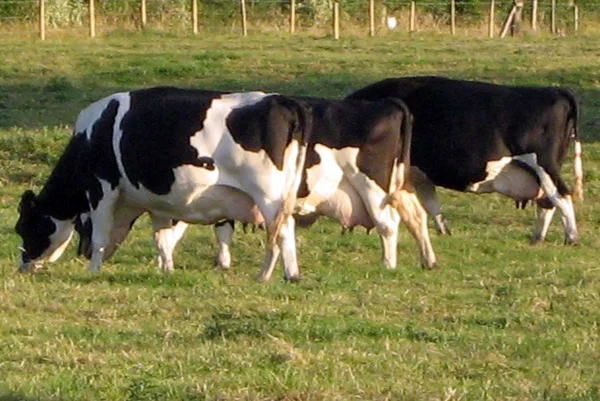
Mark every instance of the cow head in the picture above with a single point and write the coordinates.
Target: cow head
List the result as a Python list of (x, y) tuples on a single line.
[(44, 237)]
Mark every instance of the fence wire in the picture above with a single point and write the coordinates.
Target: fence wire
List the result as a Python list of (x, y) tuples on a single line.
[(18, 17)]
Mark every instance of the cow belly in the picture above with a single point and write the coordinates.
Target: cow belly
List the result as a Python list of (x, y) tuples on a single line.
[(345, 205)]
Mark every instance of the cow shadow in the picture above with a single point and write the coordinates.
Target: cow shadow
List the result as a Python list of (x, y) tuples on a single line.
[(57, 100)]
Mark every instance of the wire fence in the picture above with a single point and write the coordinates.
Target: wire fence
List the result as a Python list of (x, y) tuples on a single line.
[(371, 17)]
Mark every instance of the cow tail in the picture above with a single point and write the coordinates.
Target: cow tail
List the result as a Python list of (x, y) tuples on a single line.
[(574, 114), (300, 133), (402, 166)]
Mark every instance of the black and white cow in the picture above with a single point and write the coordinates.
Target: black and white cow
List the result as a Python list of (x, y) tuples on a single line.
[(194, 156), (480, 137), (356, 172)]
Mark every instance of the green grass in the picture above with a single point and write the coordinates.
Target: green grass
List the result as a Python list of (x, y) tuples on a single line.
[(500, 320)]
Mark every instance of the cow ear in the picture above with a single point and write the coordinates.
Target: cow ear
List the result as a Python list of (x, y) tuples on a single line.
[(28, 201)]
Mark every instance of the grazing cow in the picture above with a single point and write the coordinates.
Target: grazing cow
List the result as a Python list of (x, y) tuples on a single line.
[(195, 156), (356, 168), (480, 137)]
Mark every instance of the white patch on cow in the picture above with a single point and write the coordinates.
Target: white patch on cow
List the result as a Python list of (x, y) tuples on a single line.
[(88, 116), (59, 239), (493, 169), (322, 179)]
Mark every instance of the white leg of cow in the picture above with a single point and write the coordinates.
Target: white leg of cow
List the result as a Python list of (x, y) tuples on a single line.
[(275, 239), (224, 233), (544, 217), (564, 204), (286, 242), (102, 224), (163, 234), (415, 218), (428, 197)]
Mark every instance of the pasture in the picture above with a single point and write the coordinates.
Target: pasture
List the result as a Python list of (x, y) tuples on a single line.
[(500, 320)]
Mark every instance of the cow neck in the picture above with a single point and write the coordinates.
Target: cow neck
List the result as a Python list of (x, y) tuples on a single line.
[(63, 195)]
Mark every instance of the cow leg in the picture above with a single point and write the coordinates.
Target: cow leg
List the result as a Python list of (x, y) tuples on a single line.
[(414, 216), (564, 203), (166, 236), (102, 217), (544, 217), (280, 238), (428, 197), (224, 232)]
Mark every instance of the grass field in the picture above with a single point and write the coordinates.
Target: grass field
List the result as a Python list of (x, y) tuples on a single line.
[(500, 320)]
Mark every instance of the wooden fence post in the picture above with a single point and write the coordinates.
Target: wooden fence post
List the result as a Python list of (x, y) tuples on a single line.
[(336, 20), (575, 18), (371, 17), (411, 26), (292, 16), (244, 21), (453, 17), (508, 21), (143, 12), (42, 20), (491, 26), (534, 8), (553, 18), (92, 19), (195, 16)]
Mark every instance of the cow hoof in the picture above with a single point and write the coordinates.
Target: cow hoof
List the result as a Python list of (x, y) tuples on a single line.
[(536, 240), (293, 279), (430, 266), (571, 241)]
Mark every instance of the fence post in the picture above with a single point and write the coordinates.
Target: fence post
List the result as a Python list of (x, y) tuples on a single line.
[(534, 8), (575, 18), (292, 16), (143, 12), (491, 26), (553, 18), (42, 20), (195, 16), (92, 19), (336, 20), (244, 25), (371, 17), (453, 17), (411, 26)]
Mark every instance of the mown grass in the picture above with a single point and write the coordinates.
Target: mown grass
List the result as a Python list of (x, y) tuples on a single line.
[(500, 320)]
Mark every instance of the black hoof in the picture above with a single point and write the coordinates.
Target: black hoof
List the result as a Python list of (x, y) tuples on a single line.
[(293, 279)]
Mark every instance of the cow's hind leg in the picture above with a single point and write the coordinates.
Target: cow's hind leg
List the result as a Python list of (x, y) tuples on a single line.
[(428, 197), (414, 216), (280, 238), (564, 203)]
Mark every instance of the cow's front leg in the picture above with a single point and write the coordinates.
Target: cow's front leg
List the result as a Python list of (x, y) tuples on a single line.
[(224, 233), (102, 217)]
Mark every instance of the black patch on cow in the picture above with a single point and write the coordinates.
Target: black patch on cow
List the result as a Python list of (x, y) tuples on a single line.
[(34, 227), (84, 229), (102, 156), (259, 126), (461, 125), (372, 127), (156, 134)]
